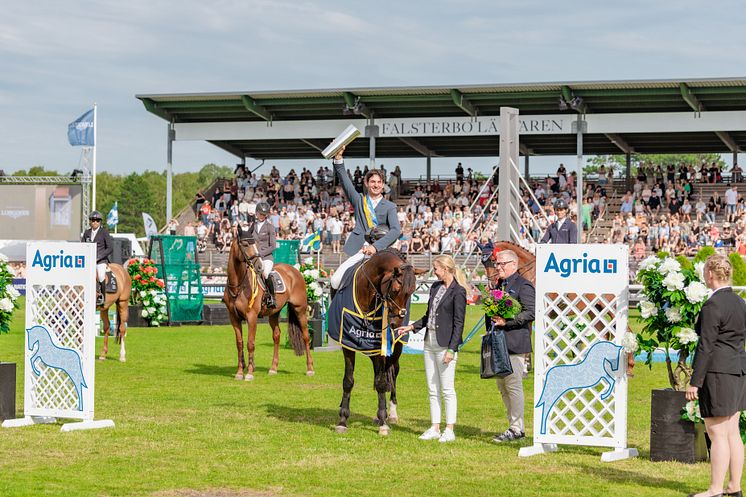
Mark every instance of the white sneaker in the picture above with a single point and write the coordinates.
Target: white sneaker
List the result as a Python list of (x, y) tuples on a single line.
[(430, 434), (447, 436)]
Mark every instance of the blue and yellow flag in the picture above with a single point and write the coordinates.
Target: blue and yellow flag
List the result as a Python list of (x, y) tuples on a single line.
[(311, 242)]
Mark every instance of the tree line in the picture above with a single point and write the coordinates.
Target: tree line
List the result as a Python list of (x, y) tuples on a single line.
[(144, 192)]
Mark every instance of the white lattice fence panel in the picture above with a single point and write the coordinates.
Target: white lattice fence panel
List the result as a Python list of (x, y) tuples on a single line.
[(60, 333), (581, 302)]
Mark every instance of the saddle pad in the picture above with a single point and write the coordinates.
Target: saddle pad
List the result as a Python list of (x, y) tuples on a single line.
[(351, 328), (111, 282), (278, 281)]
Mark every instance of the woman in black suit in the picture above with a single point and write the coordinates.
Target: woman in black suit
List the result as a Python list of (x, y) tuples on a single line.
[(719, 377), (444, 320)]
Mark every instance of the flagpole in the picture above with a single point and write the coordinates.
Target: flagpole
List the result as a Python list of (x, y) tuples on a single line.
[(95, 142)]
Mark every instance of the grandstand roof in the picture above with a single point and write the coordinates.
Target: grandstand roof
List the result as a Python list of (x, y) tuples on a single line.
[(691, 96)]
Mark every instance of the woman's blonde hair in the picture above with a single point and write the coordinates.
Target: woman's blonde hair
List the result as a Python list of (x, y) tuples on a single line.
[(447, 262), (719, 267)]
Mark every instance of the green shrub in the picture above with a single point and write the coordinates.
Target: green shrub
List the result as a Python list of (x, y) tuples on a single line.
[(703, 254), (739, 269)]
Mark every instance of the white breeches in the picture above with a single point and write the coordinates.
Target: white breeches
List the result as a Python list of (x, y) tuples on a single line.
[(267, 266), (342, 269), (101, 271)]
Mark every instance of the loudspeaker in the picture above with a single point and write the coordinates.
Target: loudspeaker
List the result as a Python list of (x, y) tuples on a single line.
[(122, 250)]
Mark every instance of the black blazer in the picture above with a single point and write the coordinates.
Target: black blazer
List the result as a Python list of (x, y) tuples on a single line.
[(265, 239), (518, 330), (721, 327), (568, 233), (449, 316), (104, 244)]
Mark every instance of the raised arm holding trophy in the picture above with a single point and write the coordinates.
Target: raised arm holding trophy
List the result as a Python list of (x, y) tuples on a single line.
[(376, 224)]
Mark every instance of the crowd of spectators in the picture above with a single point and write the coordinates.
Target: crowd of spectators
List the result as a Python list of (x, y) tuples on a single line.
[(665, 209), (668, 210)]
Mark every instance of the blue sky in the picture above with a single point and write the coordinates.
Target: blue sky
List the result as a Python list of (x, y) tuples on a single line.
[(57, 58)]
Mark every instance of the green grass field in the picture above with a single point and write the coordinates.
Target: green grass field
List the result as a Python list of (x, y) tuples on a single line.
[(185, 427)]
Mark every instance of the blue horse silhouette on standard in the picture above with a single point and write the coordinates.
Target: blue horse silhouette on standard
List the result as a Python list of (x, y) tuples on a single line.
[(67, 360), (586, 374)]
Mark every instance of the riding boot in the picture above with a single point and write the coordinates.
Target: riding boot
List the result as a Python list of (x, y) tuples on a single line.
[(101, 295), (271, 302)]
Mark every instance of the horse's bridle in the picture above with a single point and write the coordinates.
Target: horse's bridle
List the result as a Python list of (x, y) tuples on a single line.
[(386, 297), (248, 260)]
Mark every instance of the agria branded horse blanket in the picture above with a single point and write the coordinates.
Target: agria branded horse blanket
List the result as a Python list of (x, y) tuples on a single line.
[(353, 328)]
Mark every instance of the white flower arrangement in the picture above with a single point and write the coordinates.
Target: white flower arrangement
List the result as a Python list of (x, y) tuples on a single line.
[(677, 288), (8, 295), (647, 309), (6, 304), (673, 315), (669, 265), (674, 281), (311, 275), (686, 336), (696, 292), (629, 342)]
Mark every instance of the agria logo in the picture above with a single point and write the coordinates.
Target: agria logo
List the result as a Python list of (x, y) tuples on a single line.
[(49, 262), (584, 265)]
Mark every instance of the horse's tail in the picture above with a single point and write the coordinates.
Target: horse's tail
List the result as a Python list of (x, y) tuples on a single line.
[(295, 331), (119, 323)]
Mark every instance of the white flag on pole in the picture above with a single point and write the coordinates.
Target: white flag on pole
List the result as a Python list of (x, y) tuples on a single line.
[(150, 227)]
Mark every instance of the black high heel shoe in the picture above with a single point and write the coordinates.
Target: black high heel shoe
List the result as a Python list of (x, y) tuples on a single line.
[(737, 493)]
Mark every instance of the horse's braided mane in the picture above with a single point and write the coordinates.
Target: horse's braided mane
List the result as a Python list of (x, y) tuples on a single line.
[(514, 246), (392, 250)]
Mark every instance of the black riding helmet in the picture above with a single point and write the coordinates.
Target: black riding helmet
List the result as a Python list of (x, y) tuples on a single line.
[(262, 208), (95, 216)]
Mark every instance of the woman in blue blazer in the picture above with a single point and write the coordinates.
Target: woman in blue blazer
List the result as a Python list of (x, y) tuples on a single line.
[(444, 320), (719, 376)]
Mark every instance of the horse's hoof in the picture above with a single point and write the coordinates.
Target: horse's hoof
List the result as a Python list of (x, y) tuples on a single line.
[(393, 420), (340, 429), (239, 376), (272, 372), (249, 377), (122, 359), (310, 373), (102, 358), (384, 431)]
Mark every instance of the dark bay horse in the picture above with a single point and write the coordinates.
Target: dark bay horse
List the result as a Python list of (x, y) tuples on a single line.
[(121, 298), (244, 298), (384, 279), (527, 269)]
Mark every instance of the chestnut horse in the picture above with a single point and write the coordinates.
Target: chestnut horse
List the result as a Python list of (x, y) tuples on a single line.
[(121, 298), (527, 269), (384, 279), (244, 298)]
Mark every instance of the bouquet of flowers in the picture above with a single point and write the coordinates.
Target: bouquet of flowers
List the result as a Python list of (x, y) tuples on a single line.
[(499, 303), (147, 289), (8, 295), (672, 297), (311, 274)]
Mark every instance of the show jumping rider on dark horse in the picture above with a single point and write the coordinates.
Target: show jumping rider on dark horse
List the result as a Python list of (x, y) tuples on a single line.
[(264, 234), (376, 224), (104, 248)]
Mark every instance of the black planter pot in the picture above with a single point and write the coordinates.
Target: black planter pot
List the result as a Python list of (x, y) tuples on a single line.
[(672, 438), (314, 328), (135, 319), (7, 390)]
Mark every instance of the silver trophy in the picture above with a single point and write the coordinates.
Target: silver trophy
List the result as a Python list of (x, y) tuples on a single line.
[(344, 139)]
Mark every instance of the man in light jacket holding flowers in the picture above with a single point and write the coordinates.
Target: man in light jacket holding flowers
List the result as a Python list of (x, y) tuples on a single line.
[(518, 337)]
